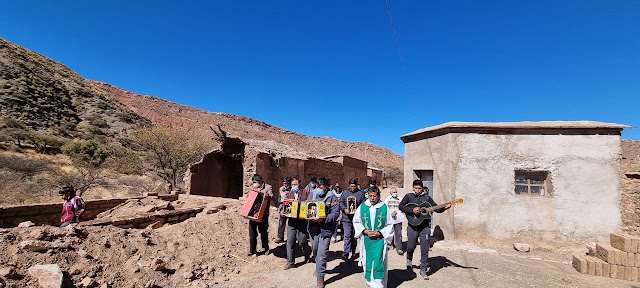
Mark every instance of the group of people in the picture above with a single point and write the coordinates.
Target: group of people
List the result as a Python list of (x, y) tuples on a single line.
[(368, 232)]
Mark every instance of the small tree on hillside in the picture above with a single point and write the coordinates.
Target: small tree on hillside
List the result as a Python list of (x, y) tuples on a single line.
[(87, 157), (172, 150)]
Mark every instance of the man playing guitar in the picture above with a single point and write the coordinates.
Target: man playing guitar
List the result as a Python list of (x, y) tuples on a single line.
[(419, 224)]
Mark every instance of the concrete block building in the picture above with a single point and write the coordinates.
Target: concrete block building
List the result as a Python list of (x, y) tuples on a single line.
[(543, 183)]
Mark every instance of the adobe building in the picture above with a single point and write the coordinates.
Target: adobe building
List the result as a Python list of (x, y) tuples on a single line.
[(542, 183), (227, 172)]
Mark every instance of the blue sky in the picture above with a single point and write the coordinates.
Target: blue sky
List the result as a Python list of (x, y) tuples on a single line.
[(331, 68)]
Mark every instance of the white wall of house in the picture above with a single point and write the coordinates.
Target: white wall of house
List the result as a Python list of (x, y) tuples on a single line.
[(583, 170)]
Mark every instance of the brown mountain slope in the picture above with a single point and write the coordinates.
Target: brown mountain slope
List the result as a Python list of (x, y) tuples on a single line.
[(169, 114)]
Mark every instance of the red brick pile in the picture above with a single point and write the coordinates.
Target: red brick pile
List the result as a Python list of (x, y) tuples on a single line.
[(619, 260)]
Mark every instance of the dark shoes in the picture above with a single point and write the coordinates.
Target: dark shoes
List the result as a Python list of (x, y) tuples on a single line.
[(400, 252), (279, 240), (267, 252), (251, 253), (409, 265), (345, 258)]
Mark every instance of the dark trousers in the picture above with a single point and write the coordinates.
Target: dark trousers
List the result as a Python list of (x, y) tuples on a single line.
[(300, 235), (350, 242), (413, 233), (254, 228), (397, 236), (282, 224)]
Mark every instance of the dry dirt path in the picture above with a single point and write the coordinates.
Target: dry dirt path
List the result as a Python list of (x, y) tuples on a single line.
[(453, 265)]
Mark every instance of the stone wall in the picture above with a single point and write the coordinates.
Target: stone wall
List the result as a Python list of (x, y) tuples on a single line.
[(155, 218), (630, 186), (583, 169), (49, 214)]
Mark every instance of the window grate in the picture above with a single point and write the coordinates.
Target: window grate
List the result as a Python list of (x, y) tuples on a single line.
[(532, 183)]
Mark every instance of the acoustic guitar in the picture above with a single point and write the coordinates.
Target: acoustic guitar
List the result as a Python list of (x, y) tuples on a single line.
[(426, 210)]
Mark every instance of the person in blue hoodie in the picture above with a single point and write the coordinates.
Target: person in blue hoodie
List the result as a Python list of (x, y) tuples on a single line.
[(321, 230)]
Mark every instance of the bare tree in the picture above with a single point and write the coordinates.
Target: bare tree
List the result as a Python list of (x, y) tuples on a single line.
[(172, 150)]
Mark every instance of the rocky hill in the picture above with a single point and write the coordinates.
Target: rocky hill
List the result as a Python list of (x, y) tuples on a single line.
[(169, 114), (47, 96)]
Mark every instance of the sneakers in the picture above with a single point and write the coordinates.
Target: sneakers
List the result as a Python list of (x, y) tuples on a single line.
[(423, 274), (287, 266), (320, 283), (279, 240)]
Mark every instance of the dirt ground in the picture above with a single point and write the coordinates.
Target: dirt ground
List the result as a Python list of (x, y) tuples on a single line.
[(452, 265), (209, 250)]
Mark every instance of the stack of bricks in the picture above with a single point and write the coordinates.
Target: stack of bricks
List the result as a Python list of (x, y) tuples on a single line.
[(619, 260)]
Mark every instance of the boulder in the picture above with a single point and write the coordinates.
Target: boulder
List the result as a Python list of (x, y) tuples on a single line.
[(48, 276), (522, 247), (26, 224)]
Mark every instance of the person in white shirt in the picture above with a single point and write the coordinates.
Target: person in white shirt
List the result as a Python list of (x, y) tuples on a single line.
[(393, 201)]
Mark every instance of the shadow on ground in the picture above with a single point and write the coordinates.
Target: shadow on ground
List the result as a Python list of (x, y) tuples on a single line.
[(439, 262)]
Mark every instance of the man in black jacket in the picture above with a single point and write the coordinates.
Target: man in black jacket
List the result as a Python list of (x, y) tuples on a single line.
[(347, 217), (423, 230)]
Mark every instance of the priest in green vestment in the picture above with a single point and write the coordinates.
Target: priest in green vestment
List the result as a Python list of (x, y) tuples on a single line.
[(373, 223)]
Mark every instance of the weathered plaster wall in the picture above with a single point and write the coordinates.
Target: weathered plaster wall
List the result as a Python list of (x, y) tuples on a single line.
[(583, 169), (440, 155)]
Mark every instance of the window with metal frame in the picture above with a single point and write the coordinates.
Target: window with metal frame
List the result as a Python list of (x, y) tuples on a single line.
[(532, 183)]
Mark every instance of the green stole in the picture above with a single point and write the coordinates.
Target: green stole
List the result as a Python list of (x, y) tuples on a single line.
[(374, 248)]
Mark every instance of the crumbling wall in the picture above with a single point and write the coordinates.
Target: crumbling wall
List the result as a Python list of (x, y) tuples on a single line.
[(220, 172), (322, 168), (630, 187), (49, 214), (352, 169)]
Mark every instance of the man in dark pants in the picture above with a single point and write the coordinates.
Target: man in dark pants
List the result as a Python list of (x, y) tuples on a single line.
[(421, 231), (282, 222), (262, 227), (297, 228), (347, 218)]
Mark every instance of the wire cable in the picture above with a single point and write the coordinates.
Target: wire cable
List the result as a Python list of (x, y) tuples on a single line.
[(404, 68)]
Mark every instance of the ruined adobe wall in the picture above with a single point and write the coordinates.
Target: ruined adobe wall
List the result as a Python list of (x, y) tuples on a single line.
[(352, 169), (630, 187), (49, 214), (323, 168)]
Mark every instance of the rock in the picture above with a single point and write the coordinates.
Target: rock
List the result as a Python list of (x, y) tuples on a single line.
[(84, 254), (87, 282), (154, 225), (41, 246), (522, 247), (158, 265), (26, 224), (48, 276), (8, 273)]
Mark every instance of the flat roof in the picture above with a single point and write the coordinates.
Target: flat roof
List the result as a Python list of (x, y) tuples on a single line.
[(526, 127)]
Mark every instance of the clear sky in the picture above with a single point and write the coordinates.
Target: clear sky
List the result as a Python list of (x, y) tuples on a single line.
[(331, 68)]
